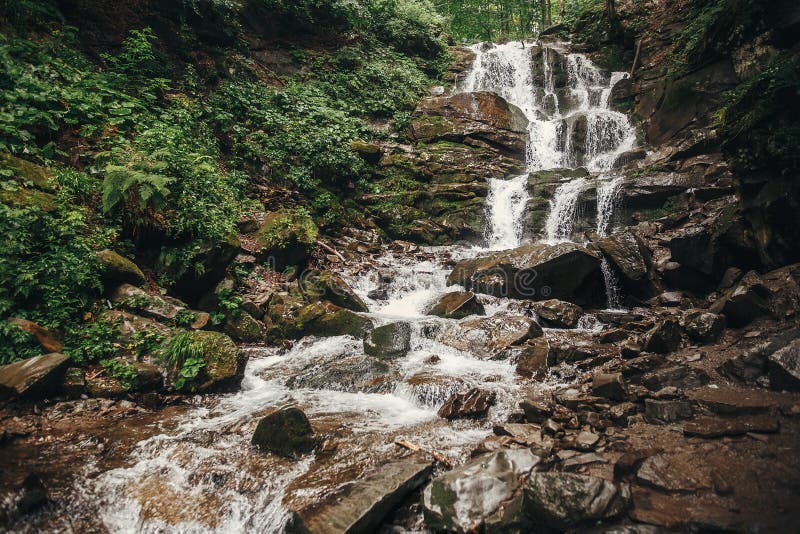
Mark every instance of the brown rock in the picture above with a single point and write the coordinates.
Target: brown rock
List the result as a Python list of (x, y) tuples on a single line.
[(458, 305), (610, 386), (715, 427), (42, 335), (474, 403)]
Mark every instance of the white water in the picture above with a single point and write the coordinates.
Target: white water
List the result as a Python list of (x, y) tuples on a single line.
[(608, 200), (505, 206)]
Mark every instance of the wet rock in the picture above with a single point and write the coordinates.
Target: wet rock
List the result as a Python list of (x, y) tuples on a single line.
[(533, 358), (389, 341), (327, 285), (564, 500), (346, 372), (473, 404), (783, 367), (536, 410), (490, 337), (557, 313), (31, 495), (715, 427), (749, 299), (285, 432), (35, 378), (681, 376), (666, 411), (752, 364), (609, 386), (663, 338), (364, 505), (671, 299), (536, 271), (380, 293), (703, 327), (482, 494), (116, 269), (628, 254), (242, 326), (143, 376), (629, 349), (458, 305), (481, 116), (326, 319)]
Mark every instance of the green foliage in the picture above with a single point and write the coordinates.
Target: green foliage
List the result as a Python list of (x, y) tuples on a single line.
[(146, 341), (183, 355), (185, 318), (758, 126), (123, 371), (16, 344), (92, 342)]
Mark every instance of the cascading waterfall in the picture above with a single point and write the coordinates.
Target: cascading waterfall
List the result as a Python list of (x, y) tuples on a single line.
[(582, 131), (505, 206)]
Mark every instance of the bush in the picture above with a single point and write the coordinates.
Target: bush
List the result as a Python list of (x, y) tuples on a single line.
[(16, 344)]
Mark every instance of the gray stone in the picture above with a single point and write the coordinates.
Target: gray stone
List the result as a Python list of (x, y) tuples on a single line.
[(285, 432), (609, 386), (482, 494), (565, 500), (704, 327), (666, 411), (458, 305), (557, 313), (388, 341), (662, 338), (783, 367)]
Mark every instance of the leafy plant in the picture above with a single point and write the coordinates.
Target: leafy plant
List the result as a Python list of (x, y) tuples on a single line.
[(146, 341), (16, 344), (185, 318), (92, 342), (124, 372), (183, 355)]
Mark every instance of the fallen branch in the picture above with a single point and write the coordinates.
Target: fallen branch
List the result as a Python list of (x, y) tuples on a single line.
[(636, 56), (415, 448), (331, 250)]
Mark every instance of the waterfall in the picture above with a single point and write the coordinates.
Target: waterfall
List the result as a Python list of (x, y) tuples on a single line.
[(608, 199), (569, 127), (613, 298), (505, 207)]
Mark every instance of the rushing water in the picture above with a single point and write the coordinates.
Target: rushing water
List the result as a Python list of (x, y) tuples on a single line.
[(202, 475)]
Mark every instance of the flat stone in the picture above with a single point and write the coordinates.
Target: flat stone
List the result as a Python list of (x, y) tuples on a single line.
[(715, 427), (726, 400), (34, 378), (608, 385), (674, 472), (362, 506), (666, 411), (681, 376), (490, 337), (458, 305)]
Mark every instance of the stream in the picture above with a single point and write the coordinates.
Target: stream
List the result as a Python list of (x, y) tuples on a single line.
[(203, 475)]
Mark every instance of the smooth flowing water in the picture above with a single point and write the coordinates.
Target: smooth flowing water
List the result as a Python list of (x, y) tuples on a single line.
[(201, 473)]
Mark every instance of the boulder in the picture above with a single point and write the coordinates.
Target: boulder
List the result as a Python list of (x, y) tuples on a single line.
[(285, 432), (557, 313), (702, 326), (286, 238), (533, 358), (241, 326), (327, 285), (682, 377), (116, 269), (783, 367), (627, 253), (341, 371), (42, 335), (207, 267), (609, 385), (473, 404), (363, 505), (35, 378), (389, 341), (748, 300), (662, 338), (490, 337), (481, 495), (325, 319), (481, 116), (536, 271), (458, 305), (564, 500)]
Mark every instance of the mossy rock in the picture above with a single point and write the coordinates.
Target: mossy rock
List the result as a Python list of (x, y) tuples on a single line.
[(287, 238), (244, 327), (389, 341), (369, 152), (328, 285), (25, 171), (116, 269), (29, 198), (325, 319), (224, 362)]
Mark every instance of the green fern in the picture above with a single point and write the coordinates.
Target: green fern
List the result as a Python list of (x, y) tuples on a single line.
[(151, 189)]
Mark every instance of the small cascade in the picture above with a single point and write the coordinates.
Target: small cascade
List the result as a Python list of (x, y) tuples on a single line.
[(564, 210), (608, 200), (613, 294), (505, 208)]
